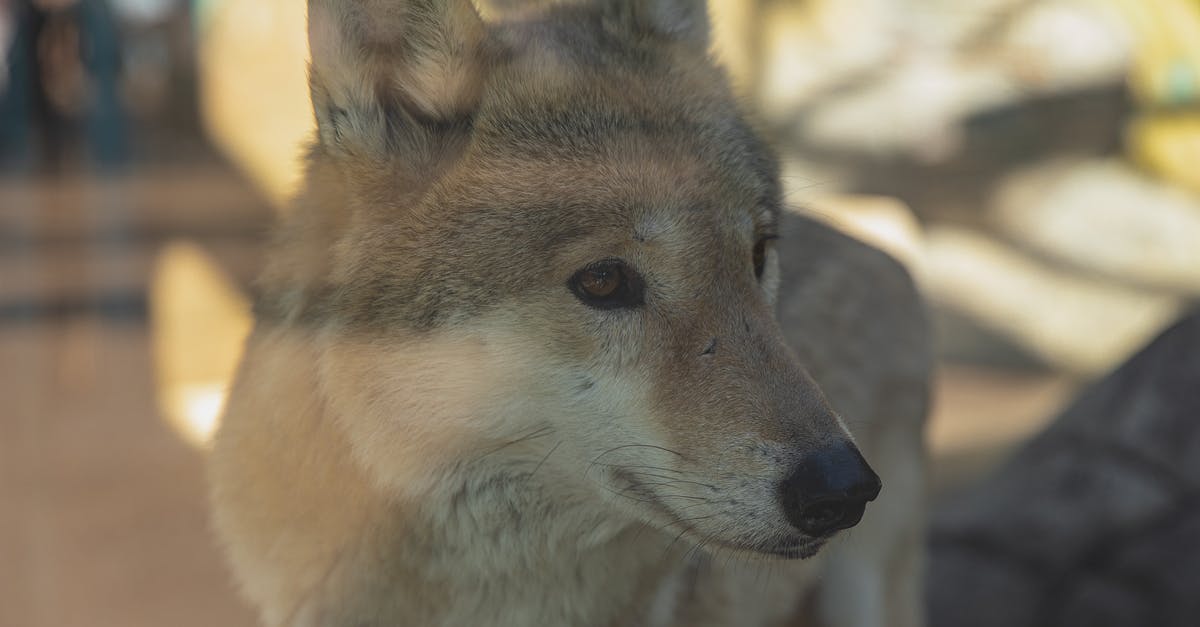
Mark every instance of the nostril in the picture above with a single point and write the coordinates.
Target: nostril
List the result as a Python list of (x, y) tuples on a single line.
[(829, 515), (821, 515)]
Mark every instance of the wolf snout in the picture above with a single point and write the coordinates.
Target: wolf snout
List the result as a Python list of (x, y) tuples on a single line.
[(829, 490)]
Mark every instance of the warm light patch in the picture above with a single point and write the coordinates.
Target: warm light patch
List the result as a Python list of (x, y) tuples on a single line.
[(195, 409), (199, 322)]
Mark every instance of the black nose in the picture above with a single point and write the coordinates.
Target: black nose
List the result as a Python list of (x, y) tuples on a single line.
[(829, 490)]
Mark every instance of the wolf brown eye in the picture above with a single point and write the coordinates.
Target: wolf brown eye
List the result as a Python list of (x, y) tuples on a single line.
[(600, 283), (607, 284)]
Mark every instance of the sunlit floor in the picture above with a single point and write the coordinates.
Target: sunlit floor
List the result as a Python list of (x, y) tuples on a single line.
[(102, 505)]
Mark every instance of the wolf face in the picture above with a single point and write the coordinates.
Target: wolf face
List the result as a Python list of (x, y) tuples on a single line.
[(543, 250)]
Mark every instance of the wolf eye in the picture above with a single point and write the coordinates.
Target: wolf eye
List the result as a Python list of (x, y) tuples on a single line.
[(759, 257), (608, 284), (600, 283)]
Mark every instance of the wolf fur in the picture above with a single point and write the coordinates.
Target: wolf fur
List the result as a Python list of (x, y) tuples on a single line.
[(430, 428)]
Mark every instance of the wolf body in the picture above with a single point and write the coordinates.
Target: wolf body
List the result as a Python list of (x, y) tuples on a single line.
[(517, 359)]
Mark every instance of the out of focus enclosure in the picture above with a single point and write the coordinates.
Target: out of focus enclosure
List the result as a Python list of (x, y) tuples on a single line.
[(1035, 163)]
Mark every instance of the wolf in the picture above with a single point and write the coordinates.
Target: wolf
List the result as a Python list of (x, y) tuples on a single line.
[(524, 352)]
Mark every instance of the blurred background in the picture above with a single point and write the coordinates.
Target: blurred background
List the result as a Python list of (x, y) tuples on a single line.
[(1035, 163)]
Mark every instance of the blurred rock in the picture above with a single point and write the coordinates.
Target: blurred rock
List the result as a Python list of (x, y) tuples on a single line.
[(917, 108), (942, 67), (1071, 322), (1093, 522), (804, 49), (1105, 217), (1061, 45), (809, 50)]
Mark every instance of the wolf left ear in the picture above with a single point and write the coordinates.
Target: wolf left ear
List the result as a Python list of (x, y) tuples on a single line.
[(391, 75), (684, 20)]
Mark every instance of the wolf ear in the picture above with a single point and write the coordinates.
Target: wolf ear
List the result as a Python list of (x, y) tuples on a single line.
[(685, 20), (390, 75)]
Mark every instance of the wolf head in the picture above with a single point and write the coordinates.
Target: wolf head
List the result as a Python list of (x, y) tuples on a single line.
[(544, 247)]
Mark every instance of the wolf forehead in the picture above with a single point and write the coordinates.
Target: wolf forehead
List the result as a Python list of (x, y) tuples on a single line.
[(610, 162), (566, 89), (608, 145), (517, 213), (577, 142)]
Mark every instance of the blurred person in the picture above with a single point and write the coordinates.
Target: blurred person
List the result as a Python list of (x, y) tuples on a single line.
[(63, 62)]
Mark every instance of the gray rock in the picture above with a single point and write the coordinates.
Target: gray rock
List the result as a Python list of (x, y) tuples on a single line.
[(1096, 521), (1105, 217), (1071, 321)]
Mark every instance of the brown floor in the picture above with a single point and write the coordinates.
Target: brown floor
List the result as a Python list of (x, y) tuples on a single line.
[(102, 509), (980, 414), (104, 515)]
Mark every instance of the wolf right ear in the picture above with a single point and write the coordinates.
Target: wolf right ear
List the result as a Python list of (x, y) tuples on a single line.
[(389, 75)]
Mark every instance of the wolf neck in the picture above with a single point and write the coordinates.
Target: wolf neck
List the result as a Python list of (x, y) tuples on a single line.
[(496, 552), (489, 550), (487, 547)]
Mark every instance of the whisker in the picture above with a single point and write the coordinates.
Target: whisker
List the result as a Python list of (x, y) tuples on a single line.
[(638, 485), (683, 496), (671, 544), (547, 456), (625, 446), (631, 466), (622, 494), (537, 433), (686, 507), (670, 483), (685, 528), (668, 479), (697, 548)]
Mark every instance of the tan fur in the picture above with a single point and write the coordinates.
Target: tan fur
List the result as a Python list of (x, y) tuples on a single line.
[(429, 428)]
